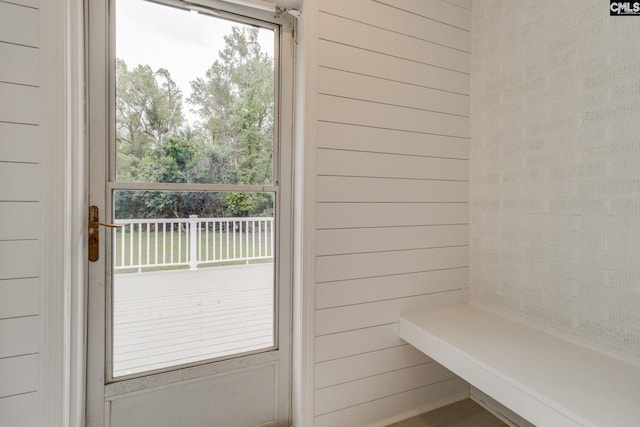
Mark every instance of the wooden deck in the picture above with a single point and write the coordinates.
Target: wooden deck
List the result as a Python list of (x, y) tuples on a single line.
[(169, 318)]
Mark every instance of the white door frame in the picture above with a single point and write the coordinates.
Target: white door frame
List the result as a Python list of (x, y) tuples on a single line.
[(63, 225), (100, 121)]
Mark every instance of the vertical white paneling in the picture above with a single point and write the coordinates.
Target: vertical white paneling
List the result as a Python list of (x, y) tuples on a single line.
[(392, 195), (19, 24), (19, 297)]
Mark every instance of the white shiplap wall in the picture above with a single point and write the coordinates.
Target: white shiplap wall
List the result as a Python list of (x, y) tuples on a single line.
[(20, 194), (392, 226)]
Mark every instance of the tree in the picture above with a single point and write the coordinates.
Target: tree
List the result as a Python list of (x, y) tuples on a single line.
[(148, 108), (235, 104), (232, 143)]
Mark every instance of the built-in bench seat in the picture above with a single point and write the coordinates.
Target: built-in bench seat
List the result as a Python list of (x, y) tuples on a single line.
[(548, 380)]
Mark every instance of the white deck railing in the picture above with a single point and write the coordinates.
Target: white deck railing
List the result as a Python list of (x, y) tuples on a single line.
[(160, 243)]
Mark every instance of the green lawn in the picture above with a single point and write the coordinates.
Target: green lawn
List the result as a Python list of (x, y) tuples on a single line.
[(219, 249)]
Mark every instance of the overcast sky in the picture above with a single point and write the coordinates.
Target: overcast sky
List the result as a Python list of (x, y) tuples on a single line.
[(183, 42)]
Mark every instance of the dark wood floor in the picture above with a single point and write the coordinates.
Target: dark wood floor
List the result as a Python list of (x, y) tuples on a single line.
[(465, 413)]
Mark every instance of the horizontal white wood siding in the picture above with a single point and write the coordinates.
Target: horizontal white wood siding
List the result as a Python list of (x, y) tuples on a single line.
[(408, 403), (19, 24), (392, 201), (20, 409), (19, 143), (20, 216)]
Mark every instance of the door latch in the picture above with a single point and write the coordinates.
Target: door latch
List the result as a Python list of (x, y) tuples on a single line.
[(94, 232)]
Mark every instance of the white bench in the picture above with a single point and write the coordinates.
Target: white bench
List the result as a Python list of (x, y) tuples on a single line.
[(549, 381)]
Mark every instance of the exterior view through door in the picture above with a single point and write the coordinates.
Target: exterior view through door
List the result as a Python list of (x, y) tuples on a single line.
[(193, 270), (196, 274)]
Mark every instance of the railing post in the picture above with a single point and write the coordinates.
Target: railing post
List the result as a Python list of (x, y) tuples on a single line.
[(193, 242), (245, 222)]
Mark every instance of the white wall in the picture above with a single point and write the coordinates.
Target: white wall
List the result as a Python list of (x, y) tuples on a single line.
[(391, 192), (20, 207), (33, 233), (554, 176), (556, 167)]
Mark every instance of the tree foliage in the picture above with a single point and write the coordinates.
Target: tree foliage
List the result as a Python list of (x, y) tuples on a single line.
[(234, 102), (231, 142), (148, 108)]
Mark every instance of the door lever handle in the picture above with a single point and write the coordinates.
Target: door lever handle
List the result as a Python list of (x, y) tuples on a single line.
[(94, 233), (94, 224)]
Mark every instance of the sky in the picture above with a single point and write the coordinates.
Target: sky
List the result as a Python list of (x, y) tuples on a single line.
[(185, 43)]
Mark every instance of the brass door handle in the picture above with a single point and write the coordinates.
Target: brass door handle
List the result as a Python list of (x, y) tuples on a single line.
[(93, 224), (94, 233)]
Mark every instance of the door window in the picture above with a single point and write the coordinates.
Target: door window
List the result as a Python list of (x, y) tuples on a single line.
[(193, 185)]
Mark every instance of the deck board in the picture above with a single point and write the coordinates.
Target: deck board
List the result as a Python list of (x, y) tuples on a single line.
[(168, 318)]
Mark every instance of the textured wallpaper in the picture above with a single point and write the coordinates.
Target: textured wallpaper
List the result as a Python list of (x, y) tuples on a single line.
[(555, 169)]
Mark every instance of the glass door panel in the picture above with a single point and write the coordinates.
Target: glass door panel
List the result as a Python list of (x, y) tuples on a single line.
[(195, 287), (194, 98), (193, 187)]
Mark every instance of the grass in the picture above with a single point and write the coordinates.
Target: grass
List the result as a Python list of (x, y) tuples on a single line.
[(214, 249)]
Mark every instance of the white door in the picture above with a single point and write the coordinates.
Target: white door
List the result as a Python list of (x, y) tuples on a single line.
[(190, 157)]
